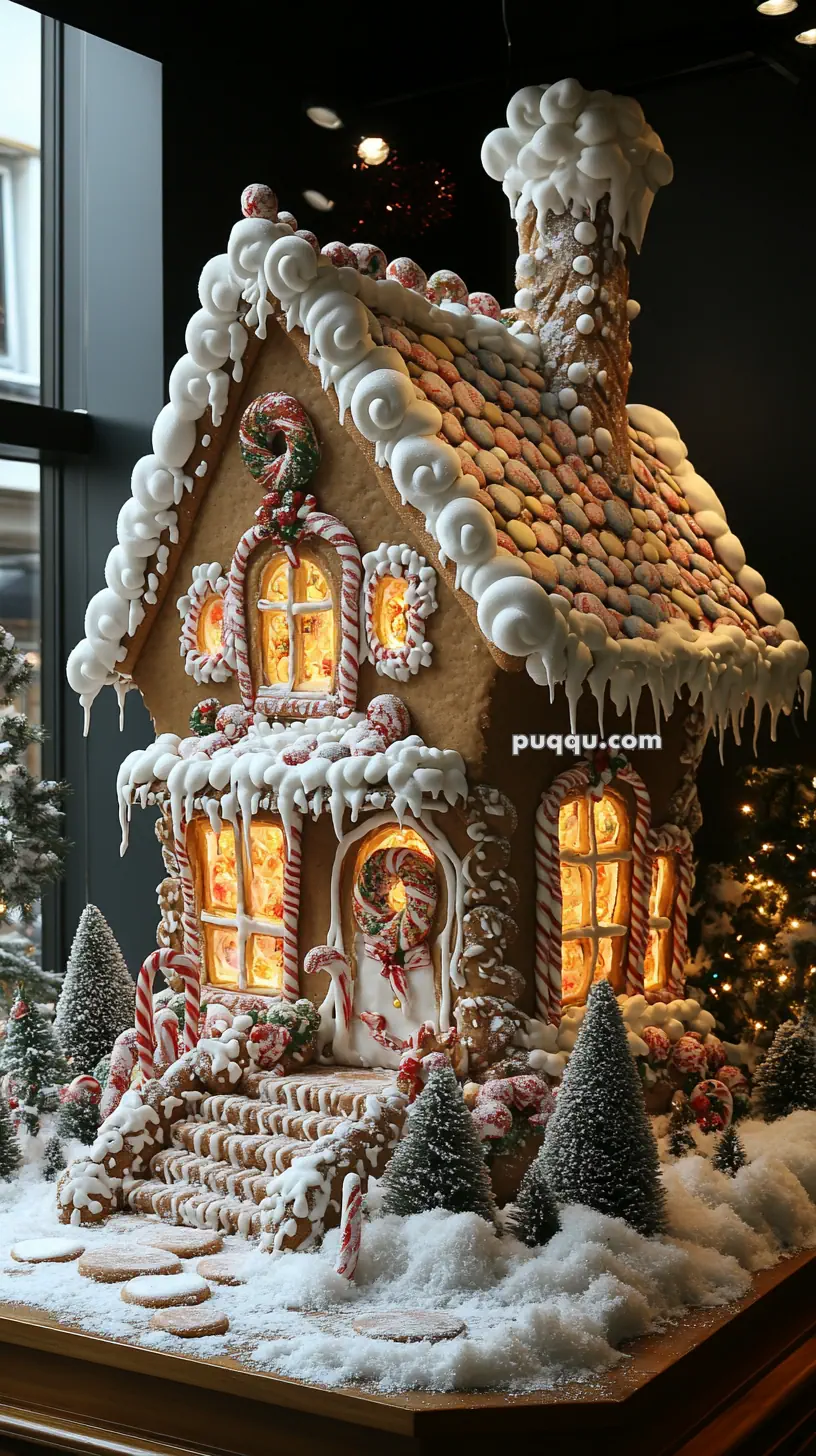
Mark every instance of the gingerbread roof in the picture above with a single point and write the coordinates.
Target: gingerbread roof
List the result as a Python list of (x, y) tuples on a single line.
[(620, 579)]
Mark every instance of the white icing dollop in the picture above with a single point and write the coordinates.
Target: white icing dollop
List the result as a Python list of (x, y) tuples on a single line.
[(564, 148)]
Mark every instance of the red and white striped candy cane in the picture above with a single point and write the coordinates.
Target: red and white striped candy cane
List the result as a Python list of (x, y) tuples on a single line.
[(166, 1027), (327, 958), (641, 886), (291, 904), (162, 960), (344, 700), (548, 894), (189, 916), (351, 1226), (84, 1086), (124, 1057), (671, 839)]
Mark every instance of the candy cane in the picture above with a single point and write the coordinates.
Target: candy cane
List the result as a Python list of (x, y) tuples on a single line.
[(124, 1057), (161, 960), (326, 958), (351, 1226), (189, 917), (685, 883), (548, 894), (291, 904), (333, 531), (376, 1025), (84, 1086), (166, 1025), (641, 881), (235, 612)]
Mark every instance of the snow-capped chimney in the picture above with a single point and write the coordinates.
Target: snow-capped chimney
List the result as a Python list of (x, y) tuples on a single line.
[(580, 169)]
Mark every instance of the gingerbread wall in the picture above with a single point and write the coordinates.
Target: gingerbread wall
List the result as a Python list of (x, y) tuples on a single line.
[(449, 700)]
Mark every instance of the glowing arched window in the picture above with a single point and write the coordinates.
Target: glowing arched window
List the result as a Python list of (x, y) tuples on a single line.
[(241, 899), (390, 612), (658, 958), (210, 626), (595, 848), (297, 627)]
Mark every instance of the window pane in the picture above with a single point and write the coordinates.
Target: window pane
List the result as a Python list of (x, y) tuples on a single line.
[(20, 86), (210, 634), (315, 653), (20, 578), (390, 608), (265, 963), (218, 870), (266, 888), (221, 955), (611, 823), (576, 896), (576, 959)]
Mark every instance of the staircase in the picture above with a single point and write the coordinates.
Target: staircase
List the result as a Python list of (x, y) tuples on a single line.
[(268, 1161)]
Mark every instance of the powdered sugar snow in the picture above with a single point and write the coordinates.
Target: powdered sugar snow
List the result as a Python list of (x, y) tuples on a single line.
[(533, 1317)]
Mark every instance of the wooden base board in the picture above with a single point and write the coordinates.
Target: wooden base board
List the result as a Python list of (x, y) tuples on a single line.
[(722, 1382)]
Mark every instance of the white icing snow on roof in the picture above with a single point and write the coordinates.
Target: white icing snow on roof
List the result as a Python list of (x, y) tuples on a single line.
[(335, 307), (302, 768)]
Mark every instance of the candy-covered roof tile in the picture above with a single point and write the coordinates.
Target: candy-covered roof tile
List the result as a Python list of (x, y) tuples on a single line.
[(575, 522)]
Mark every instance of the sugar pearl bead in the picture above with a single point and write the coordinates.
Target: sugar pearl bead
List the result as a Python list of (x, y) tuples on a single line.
[(578, 373), (603, 440), (340, 255), (582, 264), (585, 323), (581, 419), (567, 398), (290, 220), (258, 200), (585, 294), (585, 232)]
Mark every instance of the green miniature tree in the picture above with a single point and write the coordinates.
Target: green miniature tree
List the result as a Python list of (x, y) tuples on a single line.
[(53, 1158), (599, 1148), (98, 997), (729, 1154), (786, 1079), (79, 1118), (535, 1217), (439, 1162), (32, 1056), (10, 1155)]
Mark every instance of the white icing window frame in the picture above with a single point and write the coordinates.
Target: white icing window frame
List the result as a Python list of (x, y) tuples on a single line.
[(343, 699), (208, 581), (399, 562)]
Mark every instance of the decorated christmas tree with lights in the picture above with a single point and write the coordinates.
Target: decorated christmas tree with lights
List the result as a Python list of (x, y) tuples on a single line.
[(755, 967)]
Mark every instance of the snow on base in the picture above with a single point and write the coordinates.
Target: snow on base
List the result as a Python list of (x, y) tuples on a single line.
[(534, 1317)]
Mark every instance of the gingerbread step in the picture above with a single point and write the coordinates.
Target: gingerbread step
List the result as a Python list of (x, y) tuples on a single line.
[(269, 1153), (199, 1208), (343, 1092), (254, 1116), (175, 1168)]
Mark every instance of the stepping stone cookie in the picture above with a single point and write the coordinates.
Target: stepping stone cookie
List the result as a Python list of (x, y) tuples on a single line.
[(162, 1291), (190, 1324), (112, 1265), (407, 1326), (47, 1251), (185, 1243), (222, 1269)]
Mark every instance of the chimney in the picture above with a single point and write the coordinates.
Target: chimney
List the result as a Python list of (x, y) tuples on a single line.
[(580, 169)]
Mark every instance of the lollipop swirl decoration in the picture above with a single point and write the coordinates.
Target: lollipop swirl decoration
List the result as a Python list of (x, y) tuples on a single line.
[(279, 448)]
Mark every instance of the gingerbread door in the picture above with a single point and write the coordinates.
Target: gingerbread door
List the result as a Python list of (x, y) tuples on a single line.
[(394, 889)]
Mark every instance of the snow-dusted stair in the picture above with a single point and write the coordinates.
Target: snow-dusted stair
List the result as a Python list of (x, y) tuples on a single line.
[(270, 1159)]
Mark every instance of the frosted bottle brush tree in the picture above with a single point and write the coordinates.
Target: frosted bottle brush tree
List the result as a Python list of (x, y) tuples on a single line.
[(599, 1148), (98, 997), (32, 848), (439, 1162)]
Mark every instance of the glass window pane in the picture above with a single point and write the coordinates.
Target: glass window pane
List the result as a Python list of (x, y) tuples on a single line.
[(576, 959), (221, 955), (572, 827), (611, 823), (266, 886), (20, 578), (390, 612), (315, 652), (265, 963), (576, 895), (218, 870), (210, 634), (20, 86)]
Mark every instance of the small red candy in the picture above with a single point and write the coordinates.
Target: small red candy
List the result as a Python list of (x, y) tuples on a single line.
[(339, 255), (408, 273), (485, 304), (289, 218), (371, 261), (445, 284), (309, 238)]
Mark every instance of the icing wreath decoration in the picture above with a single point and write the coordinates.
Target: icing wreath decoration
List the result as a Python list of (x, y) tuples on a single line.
[(203, 716), (392, 933), (603, 766), (279, 447)]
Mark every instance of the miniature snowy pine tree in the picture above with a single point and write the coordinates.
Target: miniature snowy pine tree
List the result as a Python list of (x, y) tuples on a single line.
[(681, 1140), (729, 1154), (32, 1056), (53, 1158), (10, 1155), (97, 999), (439, 1163), (535, 1218), (786, 1080), (32, 849), (79, 1118), (599, 1148)]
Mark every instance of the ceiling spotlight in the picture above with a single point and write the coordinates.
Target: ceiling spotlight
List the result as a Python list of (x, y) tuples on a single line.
[(317, 200), (325, 117), (777, 7), (373, 151), (807, 37)]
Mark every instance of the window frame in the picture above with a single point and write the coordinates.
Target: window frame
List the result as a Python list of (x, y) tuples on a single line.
[(242, 921), (295, 610), (596, 931)]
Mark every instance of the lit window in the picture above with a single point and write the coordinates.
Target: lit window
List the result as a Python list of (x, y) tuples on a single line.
[(657, 962), (596, 868), (297, 628), (210, 628), (391, 612), (242, 906)]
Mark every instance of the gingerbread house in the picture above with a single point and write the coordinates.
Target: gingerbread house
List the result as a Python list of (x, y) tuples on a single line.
[(393, 549)]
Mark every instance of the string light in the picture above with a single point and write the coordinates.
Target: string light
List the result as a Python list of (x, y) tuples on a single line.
[(726, 985), (795, 924), (762, 947), (746, 809), (782, 978), (777, 7), (766, 847), (807, 37)]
